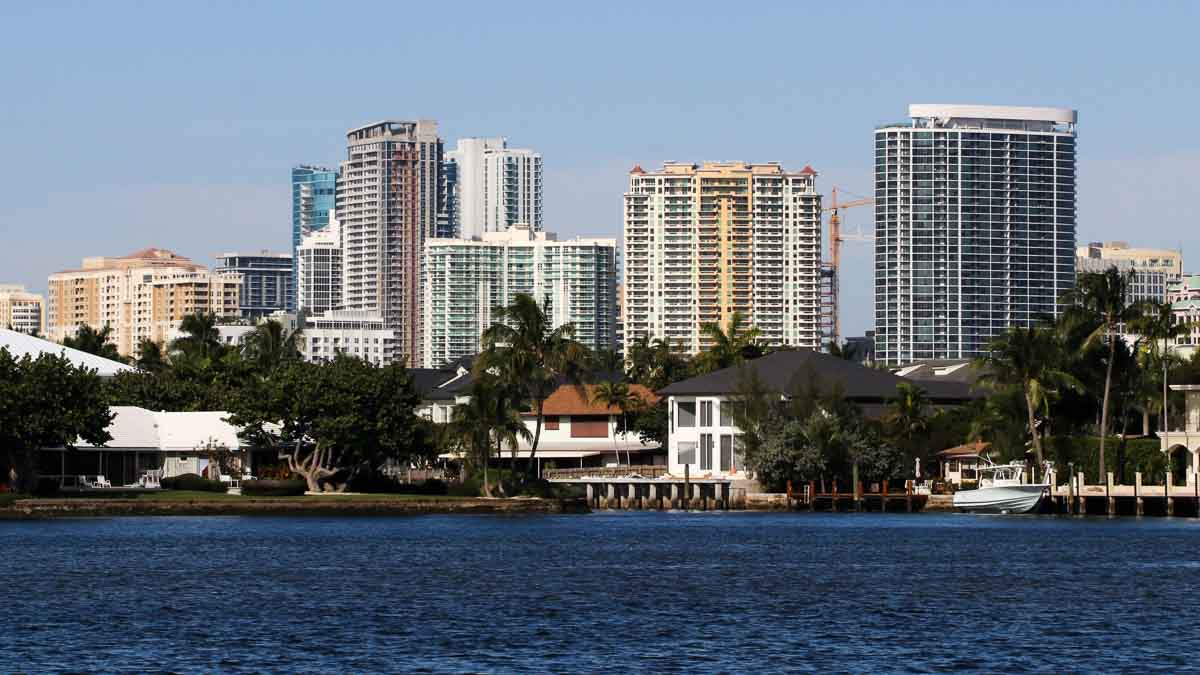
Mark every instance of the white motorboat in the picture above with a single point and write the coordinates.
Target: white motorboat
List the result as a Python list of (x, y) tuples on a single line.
[(1002, 489)]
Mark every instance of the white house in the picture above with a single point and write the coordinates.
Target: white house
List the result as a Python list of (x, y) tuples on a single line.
[(704, 438), (1186, 433)]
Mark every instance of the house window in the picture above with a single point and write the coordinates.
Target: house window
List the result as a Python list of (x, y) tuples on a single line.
[(589, 427), (953, 467), (726, 452), (686, 453), (687, 414), (706, 416), (551, 423), (726, 416), (706, 452)]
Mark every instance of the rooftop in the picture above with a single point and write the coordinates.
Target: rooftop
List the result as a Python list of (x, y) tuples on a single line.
[(20, 345)]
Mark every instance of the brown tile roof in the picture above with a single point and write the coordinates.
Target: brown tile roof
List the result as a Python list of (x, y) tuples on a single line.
[(569, 399), (637, 168), (808, 169), (969, 450)]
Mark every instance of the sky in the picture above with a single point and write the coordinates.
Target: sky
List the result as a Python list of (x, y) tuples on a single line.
[(125, 125)]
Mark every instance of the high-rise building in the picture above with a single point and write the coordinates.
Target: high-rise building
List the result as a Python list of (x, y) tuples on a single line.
[(319, 260), (705, 242), (493, 187), (141, 296), (387, 206), (21, 310), (266, 281), (314, 190), (1168, 263), (1146, 284), (974, 226), (467, 279), (350, 332)]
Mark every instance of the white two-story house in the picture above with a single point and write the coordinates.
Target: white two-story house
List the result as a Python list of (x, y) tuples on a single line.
[(1185, 434), (703, 436)]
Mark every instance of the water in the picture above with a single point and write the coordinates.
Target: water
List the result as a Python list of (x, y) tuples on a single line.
[(608, 592)]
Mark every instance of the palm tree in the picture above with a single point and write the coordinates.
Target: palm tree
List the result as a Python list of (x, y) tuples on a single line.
[(150, 356), (531, 356), (1103, 296), (844, 350), (909, 416), (1029, 359), (267, 346), (1156, 323), (617, 395), (731, 346), (92, 341), (201, 339), (654, 364)]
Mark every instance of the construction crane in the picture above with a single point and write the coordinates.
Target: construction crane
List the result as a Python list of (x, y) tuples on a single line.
[(831, 326)]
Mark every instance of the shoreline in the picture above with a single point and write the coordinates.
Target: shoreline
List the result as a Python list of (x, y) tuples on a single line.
[(42, 509)]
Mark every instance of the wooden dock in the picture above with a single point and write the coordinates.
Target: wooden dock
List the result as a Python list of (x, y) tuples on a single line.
[(1075, 496), (879, 498)]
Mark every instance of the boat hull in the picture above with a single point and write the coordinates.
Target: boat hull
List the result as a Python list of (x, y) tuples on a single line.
[(1006, 499)]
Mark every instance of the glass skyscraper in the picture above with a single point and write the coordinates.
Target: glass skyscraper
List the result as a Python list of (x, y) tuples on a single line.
[(314, 190), (974, 226)]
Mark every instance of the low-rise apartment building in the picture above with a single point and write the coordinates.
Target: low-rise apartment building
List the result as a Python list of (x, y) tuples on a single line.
[(21, 310)]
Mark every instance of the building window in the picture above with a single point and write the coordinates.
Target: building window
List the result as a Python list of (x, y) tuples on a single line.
[(726, 452), (551, 423), (706, 413), (726, 414), (687, 414), (686, 453), (589, 427), (706, 452)]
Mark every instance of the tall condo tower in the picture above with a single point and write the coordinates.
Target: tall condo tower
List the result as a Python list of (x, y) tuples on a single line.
[(493, 187), (387, 205), (974, 226), (705, 242), (313, 193)]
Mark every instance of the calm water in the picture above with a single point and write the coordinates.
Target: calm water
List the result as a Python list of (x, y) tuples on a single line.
[(601, 593)]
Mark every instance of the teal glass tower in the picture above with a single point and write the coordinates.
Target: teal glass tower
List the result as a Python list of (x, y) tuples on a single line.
[(314, 190)]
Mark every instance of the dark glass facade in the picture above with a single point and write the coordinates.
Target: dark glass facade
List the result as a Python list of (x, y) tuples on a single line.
[(314, 191)]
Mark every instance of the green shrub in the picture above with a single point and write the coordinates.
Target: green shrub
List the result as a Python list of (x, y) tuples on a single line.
[(1140, 454), (193, 482), (274, 488), (7, 498)]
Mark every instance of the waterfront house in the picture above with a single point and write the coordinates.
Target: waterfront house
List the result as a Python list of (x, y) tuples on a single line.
[(702, 433), (961, 463), (440, 388), (168, 443)]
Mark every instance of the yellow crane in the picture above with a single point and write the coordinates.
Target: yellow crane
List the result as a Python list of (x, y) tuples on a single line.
[(831, 325)]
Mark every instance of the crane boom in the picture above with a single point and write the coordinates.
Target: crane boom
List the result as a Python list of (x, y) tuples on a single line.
[(831, 325)]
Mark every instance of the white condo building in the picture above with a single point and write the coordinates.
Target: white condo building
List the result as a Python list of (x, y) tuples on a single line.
[(21, 310), (494, 187), (974, 226), (703, 242), (319, 269), (351, 332), (466, 279), (387, 204)]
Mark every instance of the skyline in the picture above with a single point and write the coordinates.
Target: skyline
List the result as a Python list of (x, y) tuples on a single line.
[(591, 105)]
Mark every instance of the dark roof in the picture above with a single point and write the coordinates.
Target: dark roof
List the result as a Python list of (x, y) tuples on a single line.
[(784, 370), (947, 370)]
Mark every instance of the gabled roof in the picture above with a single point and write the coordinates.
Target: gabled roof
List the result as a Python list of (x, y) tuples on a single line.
[(570, 399), (808, 170), (139, 429), (784, 371), (19, 344), (976, 449)]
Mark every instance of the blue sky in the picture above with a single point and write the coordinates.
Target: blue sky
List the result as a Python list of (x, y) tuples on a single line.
[(124, 125)]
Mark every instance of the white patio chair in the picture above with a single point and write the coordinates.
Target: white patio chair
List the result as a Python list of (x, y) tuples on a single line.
[(84, 483), (101, 482)]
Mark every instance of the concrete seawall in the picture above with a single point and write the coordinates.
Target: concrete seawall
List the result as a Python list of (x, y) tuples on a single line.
[(32, 509)]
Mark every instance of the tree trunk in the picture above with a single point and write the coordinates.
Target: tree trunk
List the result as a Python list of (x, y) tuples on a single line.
[(1166, 403), (1146, 419), (487, 488), (1033, 432), (312, 468), (537, 434), (500, 453), (1112, 355)]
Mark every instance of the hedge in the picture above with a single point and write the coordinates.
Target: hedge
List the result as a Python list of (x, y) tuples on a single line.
[(274, 488), (193, 482), (1141, 454)]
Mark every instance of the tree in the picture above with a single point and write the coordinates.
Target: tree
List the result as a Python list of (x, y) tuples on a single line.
[(201, 339), (47, 403), (531, 356), (1155, 321), (487, 420), (731, 346), (654, 365), (909, 415), (332, 420), (150, 357), (92, 341), (1105, 296), (1028, 359), (268, 346), (617, 395)]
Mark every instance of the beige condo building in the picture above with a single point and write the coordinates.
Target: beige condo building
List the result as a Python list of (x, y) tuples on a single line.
[(143, 295), (703, 242), (21, 310)]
